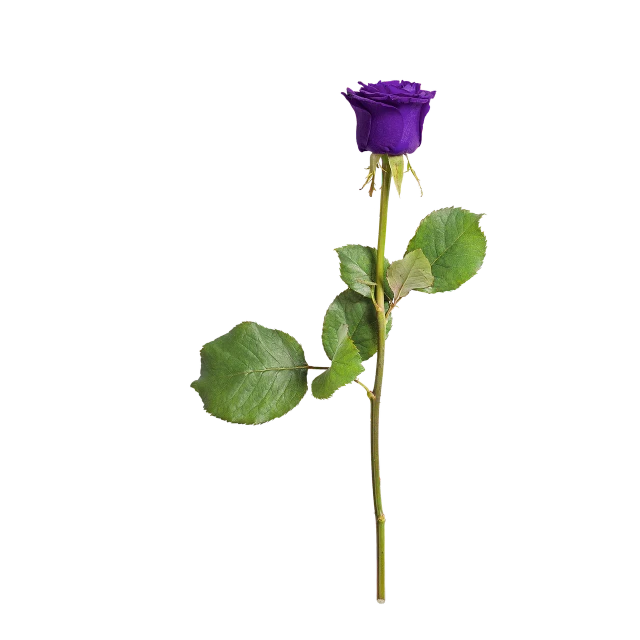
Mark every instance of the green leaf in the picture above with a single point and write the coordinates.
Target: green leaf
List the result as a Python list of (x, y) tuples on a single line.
[(453, 243), (359, 315), (251, 374), (358, 269), (412, 272), (385, 283), (345, 367), (397, 170)]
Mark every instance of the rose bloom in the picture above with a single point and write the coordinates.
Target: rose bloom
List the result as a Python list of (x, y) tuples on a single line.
[(389, 116)]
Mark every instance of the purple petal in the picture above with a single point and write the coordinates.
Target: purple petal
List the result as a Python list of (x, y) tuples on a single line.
[(363, 127), (410, 139), (390, 115), (386, 125), (376, 97), (378, 86)]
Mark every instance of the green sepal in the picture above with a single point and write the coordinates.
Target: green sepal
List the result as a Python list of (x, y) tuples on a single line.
[(398, 168), (369, 182)]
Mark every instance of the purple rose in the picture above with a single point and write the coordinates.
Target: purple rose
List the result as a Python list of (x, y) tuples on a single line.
[(389, 116)]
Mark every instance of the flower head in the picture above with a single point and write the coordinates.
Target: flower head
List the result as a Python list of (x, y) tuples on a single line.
[(389, 115)]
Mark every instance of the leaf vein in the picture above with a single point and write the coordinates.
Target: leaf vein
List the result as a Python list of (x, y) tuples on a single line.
[(248, 371), (464, 230)]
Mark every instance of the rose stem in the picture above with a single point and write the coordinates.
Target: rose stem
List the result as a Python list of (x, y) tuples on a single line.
[(377, 388)]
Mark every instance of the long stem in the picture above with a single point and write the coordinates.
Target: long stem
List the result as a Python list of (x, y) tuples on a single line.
[(377, 388)]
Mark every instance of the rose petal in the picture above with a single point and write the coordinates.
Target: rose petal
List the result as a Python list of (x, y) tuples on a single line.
[(390, 115), (377, 97), (410, 139), (382, 87), (386, 125), (363, 127)]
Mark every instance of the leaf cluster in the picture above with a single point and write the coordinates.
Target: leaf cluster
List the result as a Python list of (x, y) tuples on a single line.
[(253, 374)]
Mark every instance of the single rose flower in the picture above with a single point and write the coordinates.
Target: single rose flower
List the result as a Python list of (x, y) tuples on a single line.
[(389, 116)]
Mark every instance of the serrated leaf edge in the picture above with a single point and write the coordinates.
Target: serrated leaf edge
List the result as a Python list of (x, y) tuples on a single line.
[(478, 216)]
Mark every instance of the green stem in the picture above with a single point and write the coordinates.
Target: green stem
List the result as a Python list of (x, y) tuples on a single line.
[(377, 387)]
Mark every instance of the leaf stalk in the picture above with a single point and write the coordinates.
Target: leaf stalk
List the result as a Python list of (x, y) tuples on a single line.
[(364, 386)]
